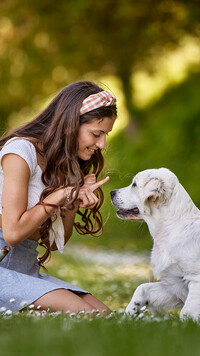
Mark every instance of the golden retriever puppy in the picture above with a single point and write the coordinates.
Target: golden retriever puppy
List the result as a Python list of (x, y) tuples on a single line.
[(157, 197)]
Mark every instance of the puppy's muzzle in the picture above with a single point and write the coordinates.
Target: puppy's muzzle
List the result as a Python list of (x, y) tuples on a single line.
[(113, 194), (122, 212)]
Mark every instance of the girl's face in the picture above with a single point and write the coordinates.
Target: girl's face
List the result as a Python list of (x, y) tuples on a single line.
[(92, 135)]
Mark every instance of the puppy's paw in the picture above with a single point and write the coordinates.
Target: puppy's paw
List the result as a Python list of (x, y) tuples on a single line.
[(139, 300), (131, 310), (186, 314)]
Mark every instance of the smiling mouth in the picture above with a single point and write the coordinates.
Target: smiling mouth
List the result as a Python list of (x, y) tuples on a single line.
[(91, 150)]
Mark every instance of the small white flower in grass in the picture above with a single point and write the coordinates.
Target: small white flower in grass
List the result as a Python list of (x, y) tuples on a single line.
[(39, 307), (43, 313), (140, 316), (81, 312), (143, 308), (55, 314), (31, 306), (30, 312), (2, 309), (23, 303), (37, 313), (72, 315), (109, 316), (59, 312), (104, 311), (12, 300), (98, 315), (8, 312)]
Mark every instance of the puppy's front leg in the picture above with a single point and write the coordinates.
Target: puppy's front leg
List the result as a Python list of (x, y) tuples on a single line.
[(191, 307), (155, 296)]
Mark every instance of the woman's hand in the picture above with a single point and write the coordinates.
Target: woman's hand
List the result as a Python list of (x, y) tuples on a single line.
[(87, 197), (90, 179)]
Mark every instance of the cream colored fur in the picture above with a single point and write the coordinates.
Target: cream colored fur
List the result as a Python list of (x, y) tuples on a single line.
[(174, 223)]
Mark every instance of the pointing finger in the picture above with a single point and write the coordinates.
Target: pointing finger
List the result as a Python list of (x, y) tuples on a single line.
[(99, 184)]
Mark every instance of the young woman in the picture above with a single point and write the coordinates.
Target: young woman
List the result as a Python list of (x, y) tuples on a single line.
[(48, 171)]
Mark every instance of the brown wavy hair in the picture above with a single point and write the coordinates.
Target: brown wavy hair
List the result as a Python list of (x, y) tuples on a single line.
[(57, 127)]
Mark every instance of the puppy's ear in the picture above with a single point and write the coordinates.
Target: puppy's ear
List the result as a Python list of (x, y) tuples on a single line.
[(155, 193)]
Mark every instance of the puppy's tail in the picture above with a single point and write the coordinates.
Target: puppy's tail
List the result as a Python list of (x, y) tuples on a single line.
[(151, 276)]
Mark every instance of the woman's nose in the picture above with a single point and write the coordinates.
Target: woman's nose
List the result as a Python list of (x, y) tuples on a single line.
[(101, 143)]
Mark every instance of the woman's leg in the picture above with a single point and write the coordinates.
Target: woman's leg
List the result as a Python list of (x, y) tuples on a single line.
[(63, 300), (95, 303)]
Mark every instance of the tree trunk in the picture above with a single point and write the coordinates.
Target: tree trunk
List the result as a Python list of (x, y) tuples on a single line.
[(134, 124)]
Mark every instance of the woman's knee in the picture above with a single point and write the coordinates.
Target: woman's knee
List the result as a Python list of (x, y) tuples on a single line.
[(62, 300), (95, 303)]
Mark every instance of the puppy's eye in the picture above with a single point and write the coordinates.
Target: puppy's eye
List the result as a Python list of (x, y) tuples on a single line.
[(134, 185)]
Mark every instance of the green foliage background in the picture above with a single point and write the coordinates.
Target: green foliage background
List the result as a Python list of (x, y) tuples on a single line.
[(45, 46)]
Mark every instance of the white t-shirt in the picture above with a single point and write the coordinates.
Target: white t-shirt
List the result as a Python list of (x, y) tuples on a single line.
[(25, 149)]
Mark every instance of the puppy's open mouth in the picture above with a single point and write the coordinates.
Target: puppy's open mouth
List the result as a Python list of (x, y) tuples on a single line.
[(128, 214)]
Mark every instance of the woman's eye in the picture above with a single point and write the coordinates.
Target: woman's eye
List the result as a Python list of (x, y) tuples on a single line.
[(95, 135)]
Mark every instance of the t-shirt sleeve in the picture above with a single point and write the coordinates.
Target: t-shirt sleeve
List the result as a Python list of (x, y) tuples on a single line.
[(22, 148)]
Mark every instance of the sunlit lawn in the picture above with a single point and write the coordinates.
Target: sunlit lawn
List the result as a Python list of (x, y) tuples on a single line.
[(114, 336), (111, 279), (110, 276)]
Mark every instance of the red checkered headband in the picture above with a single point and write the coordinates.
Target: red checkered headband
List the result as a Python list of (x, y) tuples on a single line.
[(94, 101)]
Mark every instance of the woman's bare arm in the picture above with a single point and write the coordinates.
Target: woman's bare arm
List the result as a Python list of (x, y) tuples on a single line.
[(18, 223)]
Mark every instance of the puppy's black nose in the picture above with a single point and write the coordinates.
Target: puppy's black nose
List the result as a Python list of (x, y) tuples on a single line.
[(112, 193)]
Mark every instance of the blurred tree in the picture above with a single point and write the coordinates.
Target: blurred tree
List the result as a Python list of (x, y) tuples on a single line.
[(45, 45)]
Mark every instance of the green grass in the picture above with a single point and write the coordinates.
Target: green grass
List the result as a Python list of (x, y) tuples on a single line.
[(114, 336), (112, 283)]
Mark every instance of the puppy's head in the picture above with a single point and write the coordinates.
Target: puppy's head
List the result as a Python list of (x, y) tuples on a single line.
[(149, 189)]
